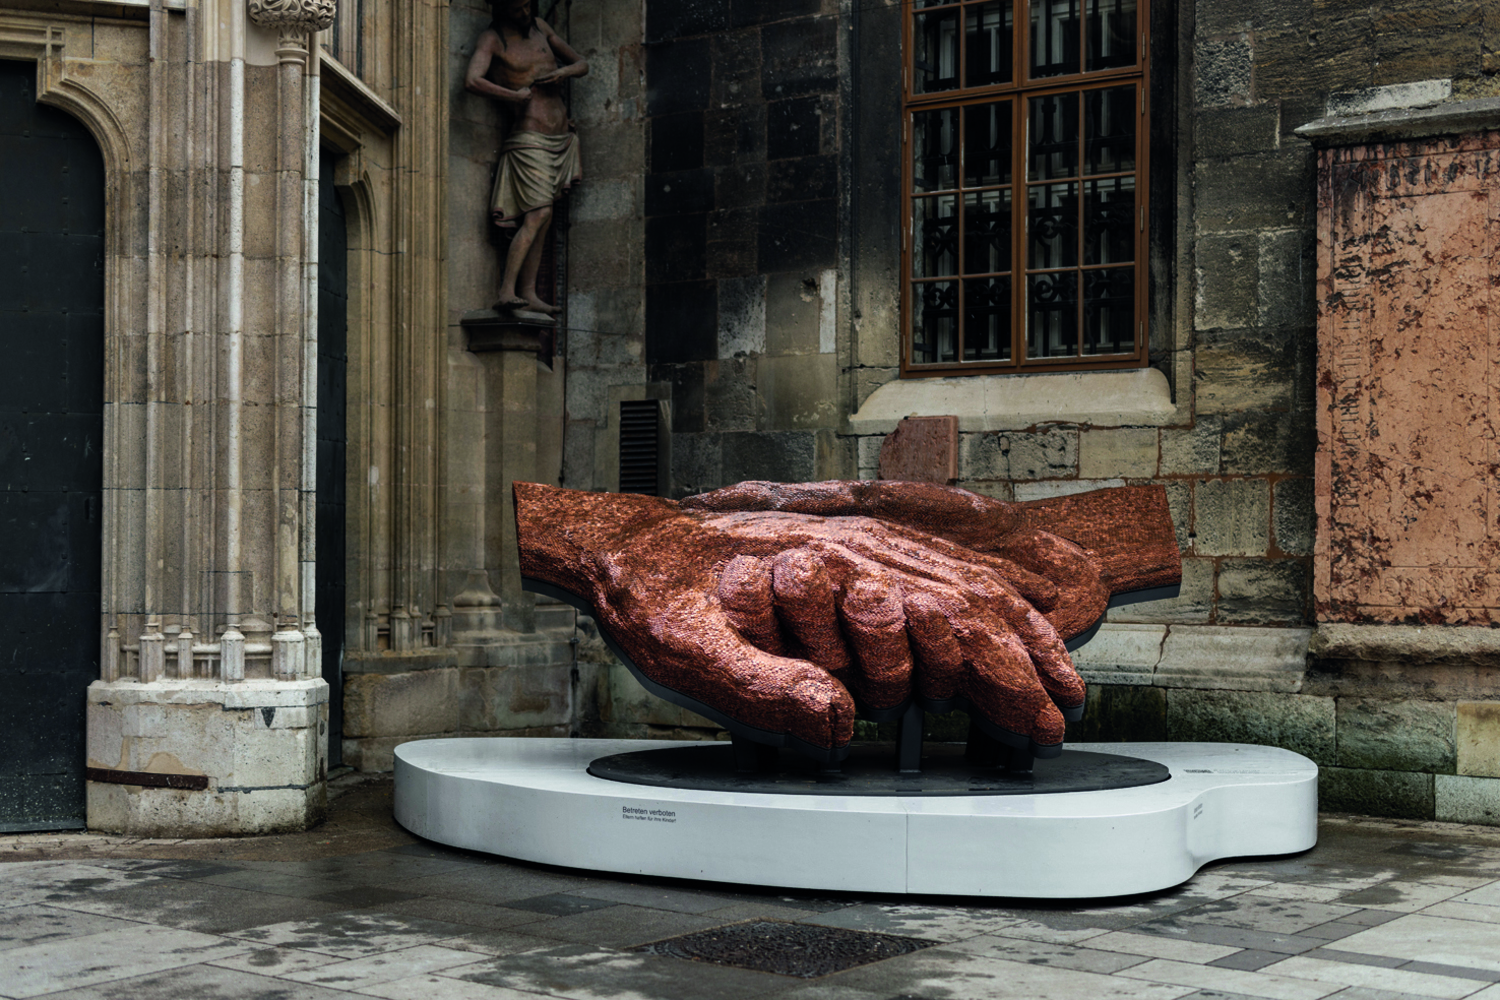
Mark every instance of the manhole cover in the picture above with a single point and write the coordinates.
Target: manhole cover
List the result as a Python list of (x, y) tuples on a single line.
[(787, 949)]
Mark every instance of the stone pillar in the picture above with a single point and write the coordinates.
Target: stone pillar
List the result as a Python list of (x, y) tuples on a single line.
[(211, 716), (1408, 393), (509, 349)]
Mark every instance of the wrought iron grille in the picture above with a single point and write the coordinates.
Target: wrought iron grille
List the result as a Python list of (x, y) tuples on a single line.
[(640, 446), (343, 39), (1046, 123)]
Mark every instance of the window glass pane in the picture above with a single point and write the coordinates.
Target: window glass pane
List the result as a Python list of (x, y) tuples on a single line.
[(987, 319), (1054, 37), (1052, 137), (1109, 311), (1052, 225), (934, 322), (1052, 315), (987, 144), (934, 236), (1109, 221), (1109, 118), (1050, 244), (988, 30), (934, 150), (987, 232), (1112, 41), (935, 51)]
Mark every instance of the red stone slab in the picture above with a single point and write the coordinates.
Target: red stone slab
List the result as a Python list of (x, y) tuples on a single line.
[(921, 450), (1407, 383)]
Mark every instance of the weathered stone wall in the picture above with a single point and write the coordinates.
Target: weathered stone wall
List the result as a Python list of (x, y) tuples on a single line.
[(1232, 226), (604, 342), (1396, 728), (488, 666), (742, 207), (1401, 721)]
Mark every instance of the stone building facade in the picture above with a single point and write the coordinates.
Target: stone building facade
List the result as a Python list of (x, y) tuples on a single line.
[(227, 406), (296, 247), (765, 120)]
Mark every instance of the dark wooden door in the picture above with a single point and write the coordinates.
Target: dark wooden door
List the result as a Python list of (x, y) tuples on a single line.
[(51, 432), (333, 325)]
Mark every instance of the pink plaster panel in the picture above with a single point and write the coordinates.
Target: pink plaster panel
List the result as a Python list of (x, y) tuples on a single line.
[(1408, 393)]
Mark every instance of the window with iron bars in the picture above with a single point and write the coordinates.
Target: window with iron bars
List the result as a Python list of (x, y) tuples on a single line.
[(343, 39), (1024, 244)]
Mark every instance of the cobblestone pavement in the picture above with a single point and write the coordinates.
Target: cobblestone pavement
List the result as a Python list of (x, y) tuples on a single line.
[(1378, 910)]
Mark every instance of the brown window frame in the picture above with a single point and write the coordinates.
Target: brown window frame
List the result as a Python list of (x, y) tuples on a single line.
[(1018, 92), (344, 41)]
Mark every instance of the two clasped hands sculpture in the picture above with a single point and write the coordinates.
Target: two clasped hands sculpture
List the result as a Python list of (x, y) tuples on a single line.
[(788, 607)]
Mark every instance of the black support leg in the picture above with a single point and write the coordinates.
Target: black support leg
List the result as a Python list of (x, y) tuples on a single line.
[(750, 757), (1018, 761), (909, 741), (983, 749)]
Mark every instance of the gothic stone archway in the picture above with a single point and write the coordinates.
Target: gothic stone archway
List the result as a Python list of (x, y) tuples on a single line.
[(51, 432)]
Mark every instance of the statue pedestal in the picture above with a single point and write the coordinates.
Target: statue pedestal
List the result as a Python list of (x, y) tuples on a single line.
[(535, 800), (517, 330), (511, 345)]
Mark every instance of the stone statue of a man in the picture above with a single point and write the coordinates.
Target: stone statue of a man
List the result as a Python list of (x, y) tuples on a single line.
[(522, 62)]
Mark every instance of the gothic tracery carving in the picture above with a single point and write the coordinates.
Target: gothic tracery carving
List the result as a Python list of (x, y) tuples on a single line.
[(305, 15)]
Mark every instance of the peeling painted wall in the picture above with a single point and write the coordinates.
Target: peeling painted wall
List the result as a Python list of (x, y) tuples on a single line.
[(1407, 395)]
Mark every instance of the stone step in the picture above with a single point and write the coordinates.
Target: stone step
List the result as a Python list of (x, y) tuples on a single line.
[(554, 616)]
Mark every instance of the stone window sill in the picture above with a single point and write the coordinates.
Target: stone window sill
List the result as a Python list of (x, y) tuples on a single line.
[(1139, 397), (1203, 657), (1402, 124)]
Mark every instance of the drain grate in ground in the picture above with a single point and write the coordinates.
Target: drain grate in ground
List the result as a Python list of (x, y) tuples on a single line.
[(785, 948)]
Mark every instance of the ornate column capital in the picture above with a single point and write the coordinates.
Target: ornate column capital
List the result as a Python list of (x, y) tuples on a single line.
[(293, 15)]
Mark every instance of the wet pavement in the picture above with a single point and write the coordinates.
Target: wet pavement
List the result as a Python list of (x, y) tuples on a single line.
[(1380, 909)]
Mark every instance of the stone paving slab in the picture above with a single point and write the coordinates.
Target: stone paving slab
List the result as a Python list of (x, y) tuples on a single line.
[(1380, 910)]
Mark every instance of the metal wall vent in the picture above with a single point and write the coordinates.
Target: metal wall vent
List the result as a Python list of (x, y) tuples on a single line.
[(640, 446)]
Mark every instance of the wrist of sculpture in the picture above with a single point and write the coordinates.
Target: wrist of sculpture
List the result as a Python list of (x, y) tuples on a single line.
[(1127, 529)]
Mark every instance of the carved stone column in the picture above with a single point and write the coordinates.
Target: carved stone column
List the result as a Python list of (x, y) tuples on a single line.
[(294, 21), (212, 670)]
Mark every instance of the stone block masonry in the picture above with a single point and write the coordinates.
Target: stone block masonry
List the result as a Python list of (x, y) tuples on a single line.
[(1397, 730), (741, 282), (491, 682), (1245, 539), (207, 758)]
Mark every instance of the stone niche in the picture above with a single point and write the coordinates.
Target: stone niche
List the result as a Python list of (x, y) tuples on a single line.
[(1407, 381)]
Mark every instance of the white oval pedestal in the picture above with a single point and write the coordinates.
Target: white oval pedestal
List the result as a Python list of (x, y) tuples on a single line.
[(532, 799)]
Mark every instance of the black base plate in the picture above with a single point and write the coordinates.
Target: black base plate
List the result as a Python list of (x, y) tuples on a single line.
[(868, 770)]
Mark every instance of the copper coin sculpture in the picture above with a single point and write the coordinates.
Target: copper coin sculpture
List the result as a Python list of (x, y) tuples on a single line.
[(791, 608)]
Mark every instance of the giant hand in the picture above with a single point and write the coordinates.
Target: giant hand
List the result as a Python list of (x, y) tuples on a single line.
[(784, 606)]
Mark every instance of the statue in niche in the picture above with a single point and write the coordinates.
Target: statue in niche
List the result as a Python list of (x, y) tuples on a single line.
[(790, 608), (521, 62)]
